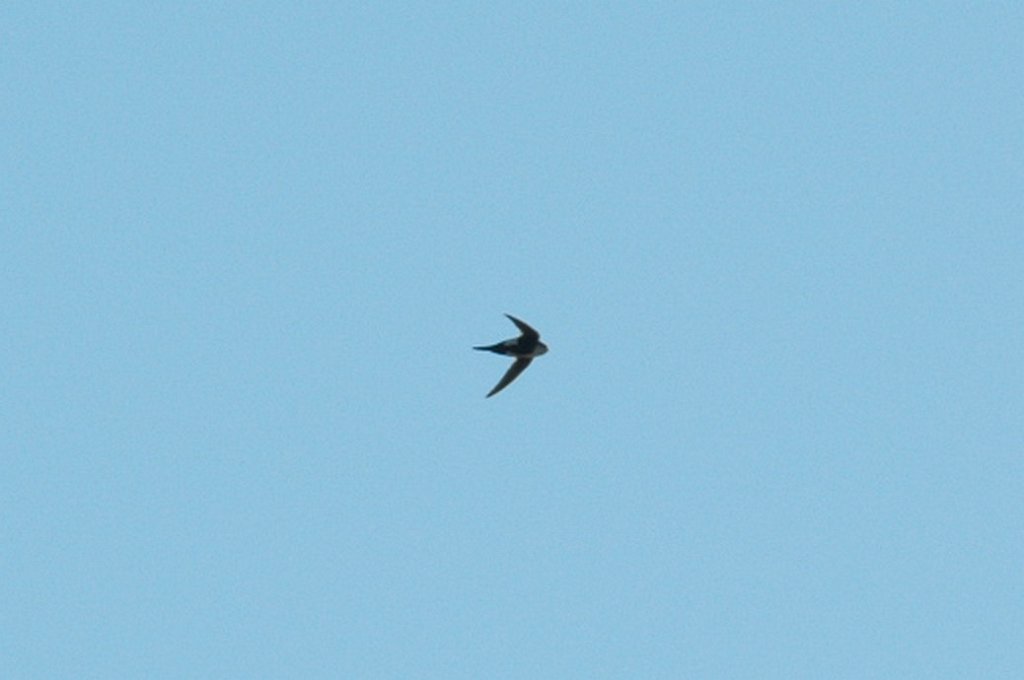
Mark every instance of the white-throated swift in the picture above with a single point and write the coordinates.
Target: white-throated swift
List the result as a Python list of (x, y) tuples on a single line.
[(524, 349)]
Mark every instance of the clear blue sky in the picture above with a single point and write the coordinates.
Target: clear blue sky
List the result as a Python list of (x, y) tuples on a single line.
[(776, 250)]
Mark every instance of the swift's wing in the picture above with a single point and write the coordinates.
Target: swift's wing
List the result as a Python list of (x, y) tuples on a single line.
[(527, 331), (517, 367)]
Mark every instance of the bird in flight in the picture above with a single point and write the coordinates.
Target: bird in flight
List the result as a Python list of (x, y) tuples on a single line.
[(524, 349)]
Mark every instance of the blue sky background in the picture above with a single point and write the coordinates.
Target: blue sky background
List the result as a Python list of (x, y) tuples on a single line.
[(776, 250)]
